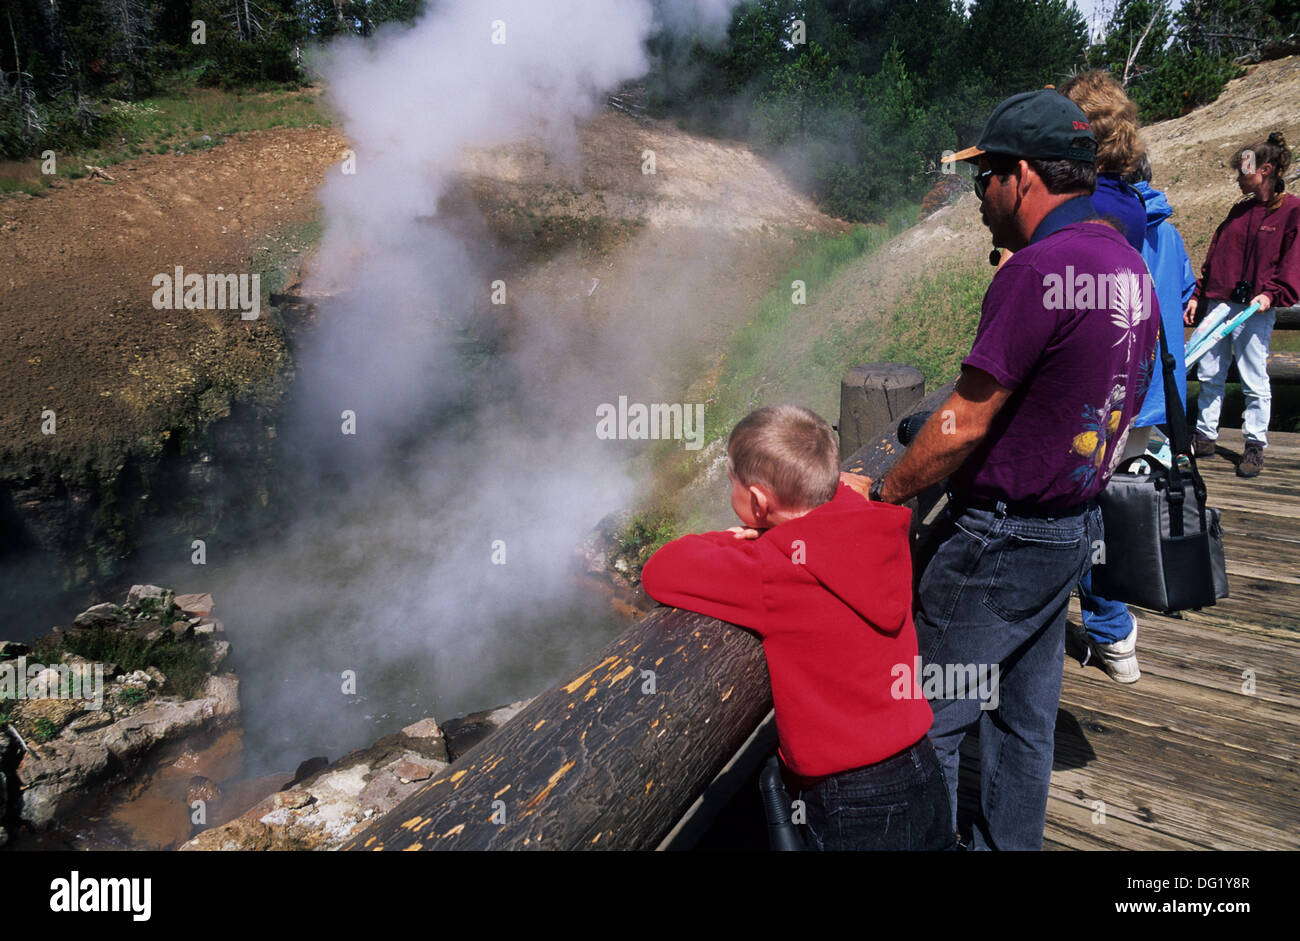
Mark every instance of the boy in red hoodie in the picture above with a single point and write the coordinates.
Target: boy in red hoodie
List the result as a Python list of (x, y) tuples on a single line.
[(824, 577)]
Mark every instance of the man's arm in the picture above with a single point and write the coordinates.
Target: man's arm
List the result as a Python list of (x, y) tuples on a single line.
[(948, 438)]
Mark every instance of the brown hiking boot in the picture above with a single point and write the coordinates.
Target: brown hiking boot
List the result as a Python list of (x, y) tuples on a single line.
[(1202, 446), (1252, 462)]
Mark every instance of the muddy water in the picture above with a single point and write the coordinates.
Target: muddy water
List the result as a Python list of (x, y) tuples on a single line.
[(157, 810)]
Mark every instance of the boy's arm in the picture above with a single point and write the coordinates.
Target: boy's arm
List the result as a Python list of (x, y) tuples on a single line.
[(714, 573)]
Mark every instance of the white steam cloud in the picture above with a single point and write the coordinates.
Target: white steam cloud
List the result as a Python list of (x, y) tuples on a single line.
[(389, 572)]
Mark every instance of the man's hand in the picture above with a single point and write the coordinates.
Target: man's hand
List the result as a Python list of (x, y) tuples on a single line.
[(1189, 312), (858, 483), (741, 532)]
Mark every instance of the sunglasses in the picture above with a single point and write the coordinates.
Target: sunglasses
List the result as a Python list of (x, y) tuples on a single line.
[(981, 183)]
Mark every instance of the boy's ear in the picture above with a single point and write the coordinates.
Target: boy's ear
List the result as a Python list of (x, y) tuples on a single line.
[(760, 502)]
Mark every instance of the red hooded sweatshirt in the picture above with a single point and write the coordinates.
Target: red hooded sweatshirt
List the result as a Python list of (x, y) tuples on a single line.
[(830, 594)]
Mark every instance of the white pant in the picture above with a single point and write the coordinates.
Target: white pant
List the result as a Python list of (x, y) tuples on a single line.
[(1248, 344)]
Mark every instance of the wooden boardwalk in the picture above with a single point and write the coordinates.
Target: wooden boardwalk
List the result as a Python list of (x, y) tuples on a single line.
[(1186, 758)]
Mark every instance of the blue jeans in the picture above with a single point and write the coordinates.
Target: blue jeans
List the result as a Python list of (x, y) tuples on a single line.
[(1105, 621), (900, 803), (995, 591), (1248, 344)]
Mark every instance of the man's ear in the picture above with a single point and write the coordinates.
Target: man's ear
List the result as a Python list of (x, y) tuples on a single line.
[(759, 503), (1024, 177)]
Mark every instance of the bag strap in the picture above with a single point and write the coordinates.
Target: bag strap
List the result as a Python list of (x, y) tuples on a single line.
[(1180, 442)]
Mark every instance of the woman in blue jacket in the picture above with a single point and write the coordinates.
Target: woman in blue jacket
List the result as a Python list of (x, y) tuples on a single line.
[(1124, 197)]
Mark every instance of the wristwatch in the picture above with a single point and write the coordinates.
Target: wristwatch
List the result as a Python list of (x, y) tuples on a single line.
[(876, 486)]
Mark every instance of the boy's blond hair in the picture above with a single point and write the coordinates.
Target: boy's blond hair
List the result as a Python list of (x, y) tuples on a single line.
[(789, 449)]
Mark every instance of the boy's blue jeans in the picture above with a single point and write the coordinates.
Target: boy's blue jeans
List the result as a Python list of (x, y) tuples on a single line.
[(900, 803), (995, 591)]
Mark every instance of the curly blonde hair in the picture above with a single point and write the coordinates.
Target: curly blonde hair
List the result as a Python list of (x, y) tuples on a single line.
[(1113, 116)]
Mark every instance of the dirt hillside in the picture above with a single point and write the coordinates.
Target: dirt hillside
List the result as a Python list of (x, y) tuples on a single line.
[(78, 333)]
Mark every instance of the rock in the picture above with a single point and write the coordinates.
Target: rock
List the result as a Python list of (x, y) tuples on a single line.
[(89, 721), (202, 789), (150, 600), (56, 711), (325, 811), (181, 629), (306, 769), (409, 771), (57, 774), (137, 678), (222, 691), (150, 630), (157, 678), (464, 733), (426, 738), (199, 605), (293, 799), (102, 615), (220, 650), (242, 833), (10, 649)]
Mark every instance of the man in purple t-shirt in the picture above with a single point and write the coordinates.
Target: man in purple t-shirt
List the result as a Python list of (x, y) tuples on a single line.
[(1029, 437)]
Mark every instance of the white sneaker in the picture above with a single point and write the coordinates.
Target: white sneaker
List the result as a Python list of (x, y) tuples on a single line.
[(1118, 659)]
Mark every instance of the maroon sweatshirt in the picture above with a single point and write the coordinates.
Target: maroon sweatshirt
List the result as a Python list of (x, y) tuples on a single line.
[(1272, 265), (830, 594)]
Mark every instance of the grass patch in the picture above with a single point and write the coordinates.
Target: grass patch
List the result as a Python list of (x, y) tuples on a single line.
[(188, 121), (185, 662), (758, 354), (934, 328), (641, 537), (198, 119)]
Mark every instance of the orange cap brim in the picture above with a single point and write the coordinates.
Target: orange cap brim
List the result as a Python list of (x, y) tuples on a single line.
[(970, 153)]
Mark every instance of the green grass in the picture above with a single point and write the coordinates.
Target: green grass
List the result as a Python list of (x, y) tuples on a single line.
[(174, 122), (183, 661), (759, 351), (934, 328), (181, 121), (643, 535)]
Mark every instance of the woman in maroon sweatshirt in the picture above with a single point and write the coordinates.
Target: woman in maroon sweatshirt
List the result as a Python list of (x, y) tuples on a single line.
[(1253, 258)]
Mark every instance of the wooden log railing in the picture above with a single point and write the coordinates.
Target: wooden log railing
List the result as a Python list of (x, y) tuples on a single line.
[(614, 756)]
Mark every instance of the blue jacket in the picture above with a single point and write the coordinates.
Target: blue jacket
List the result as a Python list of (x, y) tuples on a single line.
[(1171, 272), (1115, 198)]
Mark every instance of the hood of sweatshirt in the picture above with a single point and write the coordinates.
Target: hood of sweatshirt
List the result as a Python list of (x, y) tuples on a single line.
[(858, 551), (1158, 207)]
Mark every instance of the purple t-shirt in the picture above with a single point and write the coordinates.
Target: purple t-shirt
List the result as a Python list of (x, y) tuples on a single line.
[(1069, 325)]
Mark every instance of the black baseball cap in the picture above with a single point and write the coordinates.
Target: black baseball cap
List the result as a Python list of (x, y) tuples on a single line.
[(1040, 125)]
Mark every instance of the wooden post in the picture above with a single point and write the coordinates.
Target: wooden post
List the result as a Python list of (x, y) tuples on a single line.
[(874, 396)]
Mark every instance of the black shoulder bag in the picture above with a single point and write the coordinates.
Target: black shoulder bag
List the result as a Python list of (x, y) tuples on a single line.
[(1163, 546)]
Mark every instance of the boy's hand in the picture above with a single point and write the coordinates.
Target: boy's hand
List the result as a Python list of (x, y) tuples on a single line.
[(740, 532), (858, 483)]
